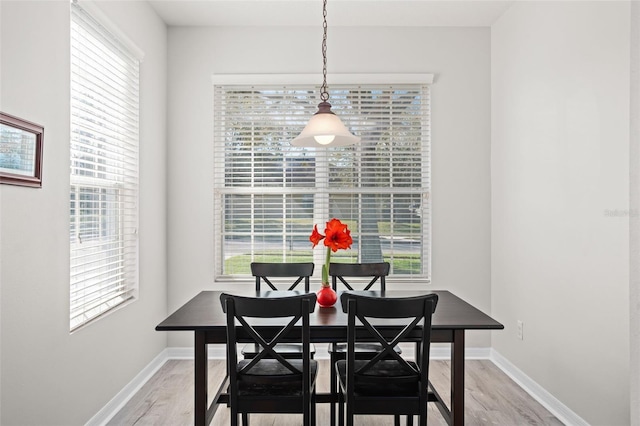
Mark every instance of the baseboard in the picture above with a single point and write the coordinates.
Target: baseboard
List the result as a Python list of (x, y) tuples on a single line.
[(107, 412), (444, 352), (213, 352), (537, 392)]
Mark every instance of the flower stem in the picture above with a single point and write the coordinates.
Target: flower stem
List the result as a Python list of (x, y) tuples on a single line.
[(325, 267)]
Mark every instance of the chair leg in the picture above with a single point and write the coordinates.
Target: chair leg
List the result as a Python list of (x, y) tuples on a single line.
[(396, 420), (341, 409), (334, 387), (409, 420), (309, 412), (422, 420), (234, 417), (245, 419), (349, 415), (306, 416)]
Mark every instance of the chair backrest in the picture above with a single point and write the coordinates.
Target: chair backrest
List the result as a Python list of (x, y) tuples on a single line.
[(376, 271), (266, 271), (296, 308), (411, 312)]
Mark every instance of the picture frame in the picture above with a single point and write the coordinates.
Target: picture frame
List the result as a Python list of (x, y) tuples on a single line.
[(20, 151)]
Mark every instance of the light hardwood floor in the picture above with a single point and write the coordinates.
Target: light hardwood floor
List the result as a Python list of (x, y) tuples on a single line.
[(491, 398)]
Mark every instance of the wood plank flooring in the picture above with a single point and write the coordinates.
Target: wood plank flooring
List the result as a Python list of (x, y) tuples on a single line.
[(491, 398)]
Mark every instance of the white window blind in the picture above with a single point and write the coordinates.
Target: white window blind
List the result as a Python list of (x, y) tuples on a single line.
[(269, 194), (104, 170)]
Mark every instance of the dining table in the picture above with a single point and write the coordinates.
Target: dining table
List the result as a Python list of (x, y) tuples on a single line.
[(203, 316)]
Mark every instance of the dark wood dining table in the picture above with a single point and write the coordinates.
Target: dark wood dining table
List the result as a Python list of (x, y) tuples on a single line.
[(203, 315)]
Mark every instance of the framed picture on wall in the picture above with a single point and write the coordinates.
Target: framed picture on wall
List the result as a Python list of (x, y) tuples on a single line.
[(20, 151)]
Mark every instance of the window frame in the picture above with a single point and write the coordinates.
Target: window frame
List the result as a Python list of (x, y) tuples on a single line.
[(122, 189), (313, 81)]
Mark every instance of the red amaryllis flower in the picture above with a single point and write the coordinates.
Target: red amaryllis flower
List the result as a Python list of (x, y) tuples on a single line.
[(338, 236), (315, 237)]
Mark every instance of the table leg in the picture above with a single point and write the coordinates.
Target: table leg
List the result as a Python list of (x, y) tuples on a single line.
[(201, 379), (457, 378)]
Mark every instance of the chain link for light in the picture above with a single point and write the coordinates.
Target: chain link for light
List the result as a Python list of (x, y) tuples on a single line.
[(324, 93)]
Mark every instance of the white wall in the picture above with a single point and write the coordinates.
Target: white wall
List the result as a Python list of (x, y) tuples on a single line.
[(634, 217), (559, 172), (48, 375), (460, 60)]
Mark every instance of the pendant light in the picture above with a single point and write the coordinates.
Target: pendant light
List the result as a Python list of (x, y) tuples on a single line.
[(324, 129)]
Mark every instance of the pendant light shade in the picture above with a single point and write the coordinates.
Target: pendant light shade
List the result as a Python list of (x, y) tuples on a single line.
[(325, 129)]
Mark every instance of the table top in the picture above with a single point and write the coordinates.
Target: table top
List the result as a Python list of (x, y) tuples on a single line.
[(204, 312)]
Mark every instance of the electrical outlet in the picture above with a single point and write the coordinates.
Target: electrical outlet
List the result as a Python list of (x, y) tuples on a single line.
[(520, 325)]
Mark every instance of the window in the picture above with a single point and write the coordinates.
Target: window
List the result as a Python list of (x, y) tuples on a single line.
[(269, 194), (104, 170)]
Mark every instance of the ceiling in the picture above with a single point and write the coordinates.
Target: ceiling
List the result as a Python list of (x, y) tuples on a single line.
[(413, 13)]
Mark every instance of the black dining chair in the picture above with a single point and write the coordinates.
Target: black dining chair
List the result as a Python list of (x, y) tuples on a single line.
[(281, 276), (270, 383), (267, 272), (343, 274), (387, 383)]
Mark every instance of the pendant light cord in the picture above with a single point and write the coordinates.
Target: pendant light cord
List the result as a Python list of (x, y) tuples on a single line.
[(324, 93)]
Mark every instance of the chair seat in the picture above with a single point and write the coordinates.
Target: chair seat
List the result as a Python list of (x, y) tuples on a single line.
[(287, 350), (385, 378), (269, 377), (361, 348)]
